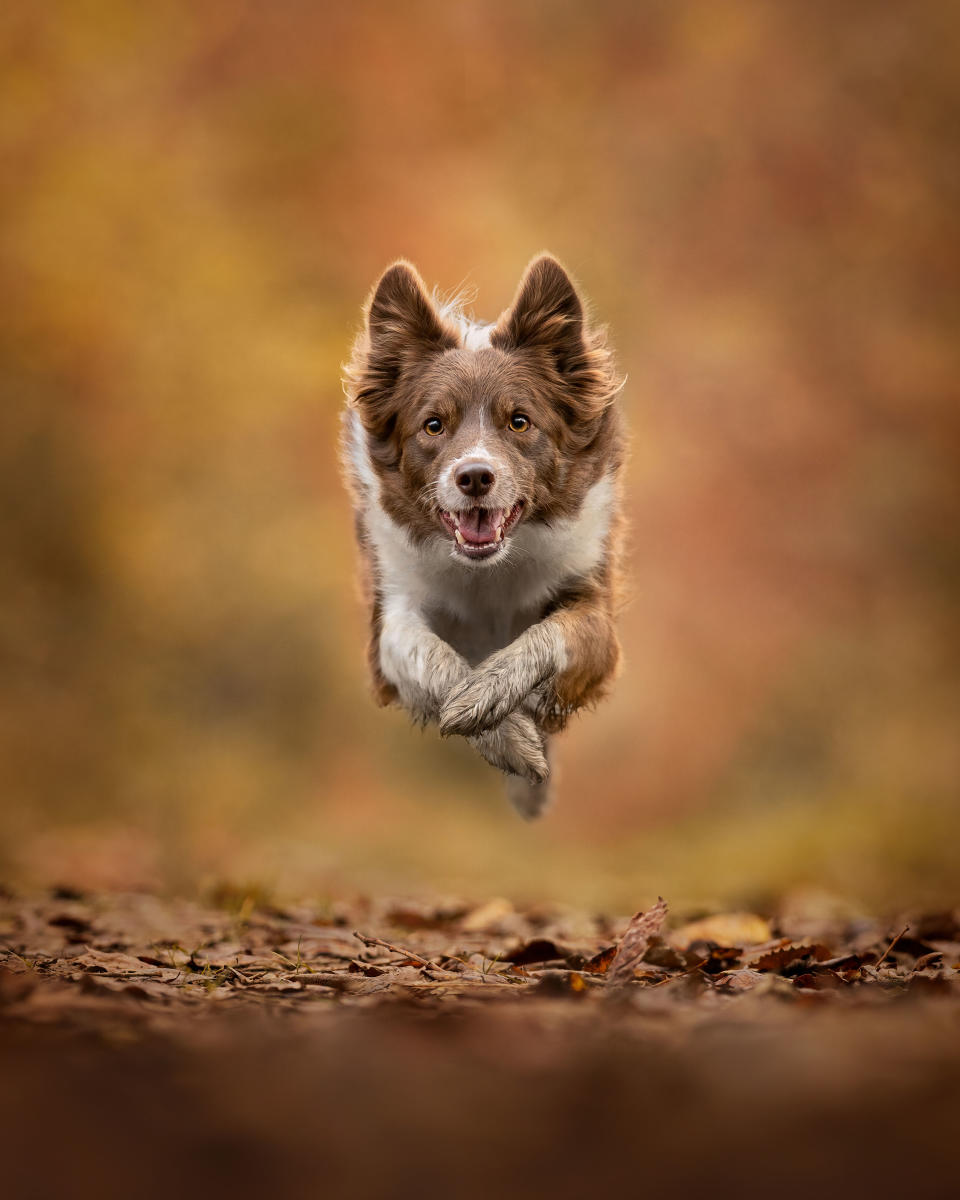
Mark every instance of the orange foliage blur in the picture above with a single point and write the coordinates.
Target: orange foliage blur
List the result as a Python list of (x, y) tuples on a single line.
[(760, 199)]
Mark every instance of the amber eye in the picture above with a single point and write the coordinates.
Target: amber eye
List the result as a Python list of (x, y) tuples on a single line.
[(433, 426), (518, 422)]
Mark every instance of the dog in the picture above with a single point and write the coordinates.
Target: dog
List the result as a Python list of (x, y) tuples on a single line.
[(484, 464)]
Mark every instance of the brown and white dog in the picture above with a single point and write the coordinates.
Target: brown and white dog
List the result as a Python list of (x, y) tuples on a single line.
[(483, 463)]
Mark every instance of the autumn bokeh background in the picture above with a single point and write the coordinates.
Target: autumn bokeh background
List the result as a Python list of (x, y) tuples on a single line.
[(760, 199)]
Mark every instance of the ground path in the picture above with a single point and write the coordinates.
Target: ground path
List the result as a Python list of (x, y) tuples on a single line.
[(384, 1047)]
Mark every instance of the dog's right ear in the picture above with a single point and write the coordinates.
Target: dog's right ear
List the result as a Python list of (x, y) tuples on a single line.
[(401, 316), (403, 326)]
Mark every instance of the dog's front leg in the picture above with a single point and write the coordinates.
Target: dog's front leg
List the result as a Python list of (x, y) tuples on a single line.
[(567, 656), (421, 666), (425, 670)]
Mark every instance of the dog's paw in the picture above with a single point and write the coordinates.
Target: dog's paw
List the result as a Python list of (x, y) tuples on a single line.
[(474, 706), (516, 747)]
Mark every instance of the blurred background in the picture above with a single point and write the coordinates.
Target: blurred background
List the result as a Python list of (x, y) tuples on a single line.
[(761, 201)]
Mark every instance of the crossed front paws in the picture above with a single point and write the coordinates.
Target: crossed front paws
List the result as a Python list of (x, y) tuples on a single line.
[(487, 696), (475, 706), (487, 706), (515, 747)]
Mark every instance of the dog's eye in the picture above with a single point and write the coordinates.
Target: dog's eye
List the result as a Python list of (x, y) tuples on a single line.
[(518, 422), (433, 426)]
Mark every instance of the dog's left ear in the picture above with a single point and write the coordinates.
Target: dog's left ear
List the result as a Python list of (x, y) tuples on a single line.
[(547, 313)]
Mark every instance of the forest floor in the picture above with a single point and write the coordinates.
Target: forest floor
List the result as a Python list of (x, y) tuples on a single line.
[(390, 1048)]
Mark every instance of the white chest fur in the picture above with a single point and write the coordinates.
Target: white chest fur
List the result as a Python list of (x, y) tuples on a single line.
[(479, 607)]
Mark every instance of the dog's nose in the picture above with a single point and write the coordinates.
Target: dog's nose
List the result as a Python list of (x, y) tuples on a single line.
[(475, 478)]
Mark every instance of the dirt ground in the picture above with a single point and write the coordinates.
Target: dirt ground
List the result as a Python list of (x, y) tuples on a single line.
[(388, 1048)]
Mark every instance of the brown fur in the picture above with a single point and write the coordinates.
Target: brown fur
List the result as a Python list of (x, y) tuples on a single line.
[(586, 619)]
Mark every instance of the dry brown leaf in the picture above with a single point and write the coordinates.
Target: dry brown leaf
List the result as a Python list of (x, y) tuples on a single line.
[(600, 963), (634, 943), (934, 959), (725, 929), (743, 980), (819, 981), (114, 963), (536, 950), (409, 915), (775, 956), (662, 954), (487, 916)]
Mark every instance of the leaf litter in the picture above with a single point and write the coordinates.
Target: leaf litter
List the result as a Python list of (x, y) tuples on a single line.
[(349, 1046), (57, 954)]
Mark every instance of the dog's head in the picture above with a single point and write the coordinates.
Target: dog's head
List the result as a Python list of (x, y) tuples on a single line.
[(472, 430)]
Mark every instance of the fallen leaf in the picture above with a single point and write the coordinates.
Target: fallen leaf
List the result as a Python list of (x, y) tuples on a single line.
[(849, 965), (725, 929), (634, 943), (742, 980), (536, 950), (662, 954), (601, 961), (372, 970), (488, 916), (713, 959), (820, 981), (114, 963), (775, 956), (421, 916), (934, 959)]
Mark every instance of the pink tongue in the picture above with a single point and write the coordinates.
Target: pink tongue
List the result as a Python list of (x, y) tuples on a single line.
[(478, 526)]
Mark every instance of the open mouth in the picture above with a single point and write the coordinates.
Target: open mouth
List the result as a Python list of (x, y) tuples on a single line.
[(480, 532)]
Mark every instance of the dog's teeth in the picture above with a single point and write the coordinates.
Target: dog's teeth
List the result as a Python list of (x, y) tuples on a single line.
[(459, 536), (498, 536)]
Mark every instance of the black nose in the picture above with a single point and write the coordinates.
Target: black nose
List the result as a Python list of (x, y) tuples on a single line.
[(475, 479)]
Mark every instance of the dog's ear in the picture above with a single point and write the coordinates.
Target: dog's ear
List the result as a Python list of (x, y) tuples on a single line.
[(547, 314), (403, 326), (401, 317)]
